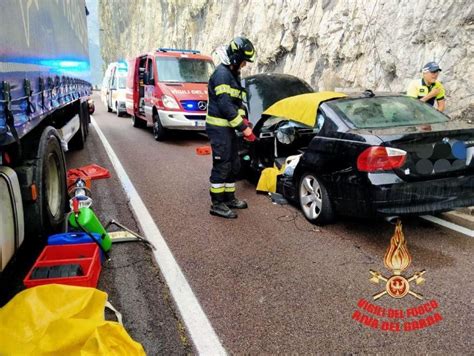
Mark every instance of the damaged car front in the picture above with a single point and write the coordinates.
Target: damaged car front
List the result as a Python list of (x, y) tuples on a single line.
[(366, 156)]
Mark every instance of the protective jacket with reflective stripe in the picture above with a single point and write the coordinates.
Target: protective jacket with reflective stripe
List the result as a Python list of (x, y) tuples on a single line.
[(226, 96)]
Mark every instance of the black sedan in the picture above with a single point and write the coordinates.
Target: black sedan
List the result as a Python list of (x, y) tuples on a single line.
[(367, 155)]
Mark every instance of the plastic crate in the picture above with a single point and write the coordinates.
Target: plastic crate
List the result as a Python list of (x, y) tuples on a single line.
[(86, 255), (75, 237), (68, 238)]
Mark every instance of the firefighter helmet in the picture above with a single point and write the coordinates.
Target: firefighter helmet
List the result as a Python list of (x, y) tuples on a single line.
[(240, 49)]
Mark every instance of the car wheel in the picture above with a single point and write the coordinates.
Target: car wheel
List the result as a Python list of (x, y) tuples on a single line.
[(137, 122), (159, 132), (314, 200), (109, 109), (117, 111)]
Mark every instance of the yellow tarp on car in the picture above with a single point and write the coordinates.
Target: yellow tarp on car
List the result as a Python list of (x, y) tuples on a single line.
[(58, 319), (301, 108)]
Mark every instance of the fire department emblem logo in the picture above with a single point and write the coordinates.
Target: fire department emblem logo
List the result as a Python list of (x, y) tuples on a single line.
[(397, 258), (202, 105)]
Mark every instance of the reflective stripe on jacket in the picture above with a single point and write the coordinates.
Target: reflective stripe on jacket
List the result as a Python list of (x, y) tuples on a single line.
[(226, 96)]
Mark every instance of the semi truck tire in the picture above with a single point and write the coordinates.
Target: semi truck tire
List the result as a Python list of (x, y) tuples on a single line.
[(45, 214), (79, 139)]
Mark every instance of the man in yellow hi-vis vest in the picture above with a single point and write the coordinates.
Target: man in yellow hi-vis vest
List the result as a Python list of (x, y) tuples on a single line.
[(428, 89)]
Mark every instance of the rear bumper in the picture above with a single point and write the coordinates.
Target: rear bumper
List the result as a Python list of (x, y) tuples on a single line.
[(180, 121), (407, 198)]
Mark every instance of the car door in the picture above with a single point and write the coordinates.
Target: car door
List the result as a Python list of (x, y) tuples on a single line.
[(149, 84), (111, 86)]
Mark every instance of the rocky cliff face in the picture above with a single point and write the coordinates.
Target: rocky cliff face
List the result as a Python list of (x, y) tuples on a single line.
[(338, 44)]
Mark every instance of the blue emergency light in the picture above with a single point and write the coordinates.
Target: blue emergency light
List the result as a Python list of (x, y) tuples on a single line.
[(193, 105), (194, 51), (65, 65)]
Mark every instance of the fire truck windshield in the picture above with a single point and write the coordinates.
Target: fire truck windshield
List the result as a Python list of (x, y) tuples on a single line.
[(184, 70)]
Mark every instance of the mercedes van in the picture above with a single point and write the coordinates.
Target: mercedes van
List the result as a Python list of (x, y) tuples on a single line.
[(167, 89)]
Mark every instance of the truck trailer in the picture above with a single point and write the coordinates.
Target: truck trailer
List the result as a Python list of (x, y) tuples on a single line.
[(44, 111)]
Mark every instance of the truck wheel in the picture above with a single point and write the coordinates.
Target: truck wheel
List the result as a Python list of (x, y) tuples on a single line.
[(137, 122), (159, 132), (45, 215), (87, 118), (78, 140), (314, 200)]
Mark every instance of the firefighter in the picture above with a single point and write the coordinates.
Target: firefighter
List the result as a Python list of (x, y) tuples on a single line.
[(226, 114)]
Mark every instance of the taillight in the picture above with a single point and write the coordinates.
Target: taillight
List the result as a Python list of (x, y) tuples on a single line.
[(378, 158), (5, 159)]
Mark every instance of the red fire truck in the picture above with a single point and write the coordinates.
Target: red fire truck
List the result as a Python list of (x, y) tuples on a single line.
[(167, 89)]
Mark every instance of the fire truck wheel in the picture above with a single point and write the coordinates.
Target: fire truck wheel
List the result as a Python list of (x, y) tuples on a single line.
[(137, 122), (159, 132)]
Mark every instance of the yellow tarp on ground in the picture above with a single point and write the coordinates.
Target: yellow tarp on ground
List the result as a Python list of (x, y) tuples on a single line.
[(268, 179), (302, 108), (62, 320)]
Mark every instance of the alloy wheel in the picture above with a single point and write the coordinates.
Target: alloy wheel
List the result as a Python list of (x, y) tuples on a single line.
[(310, 196)]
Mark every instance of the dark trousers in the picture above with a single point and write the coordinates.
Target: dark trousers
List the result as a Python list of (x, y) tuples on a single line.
[(225, 162)]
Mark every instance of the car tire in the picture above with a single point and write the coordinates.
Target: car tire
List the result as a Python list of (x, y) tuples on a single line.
[(159, 132), (137, 122), (109, 109), (117, 111), (314, 200)]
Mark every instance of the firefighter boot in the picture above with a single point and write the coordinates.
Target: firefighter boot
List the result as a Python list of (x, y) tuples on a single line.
[(232, 202), (222, 210)]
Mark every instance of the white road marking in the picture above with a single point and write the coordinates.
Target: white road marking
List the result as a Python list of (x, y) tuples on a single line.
[(449, 225), (202, 334)]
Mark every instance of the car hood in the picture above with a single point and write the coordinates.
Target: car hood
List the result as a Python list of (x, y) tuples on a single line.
[(263, 90), (185, 91)]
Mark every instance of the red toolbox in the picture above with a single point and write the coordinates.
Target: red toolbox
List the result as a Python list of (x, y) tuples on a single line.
[(57, 260)]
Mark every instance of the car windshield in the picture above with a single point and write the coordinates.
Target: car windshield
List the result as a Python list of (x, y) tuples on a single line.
[(380, 112), (182, 70)]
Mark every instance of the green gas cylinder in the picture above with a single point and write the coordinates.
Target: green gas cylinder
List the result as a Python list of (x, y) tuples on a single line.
[(89, 221)]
